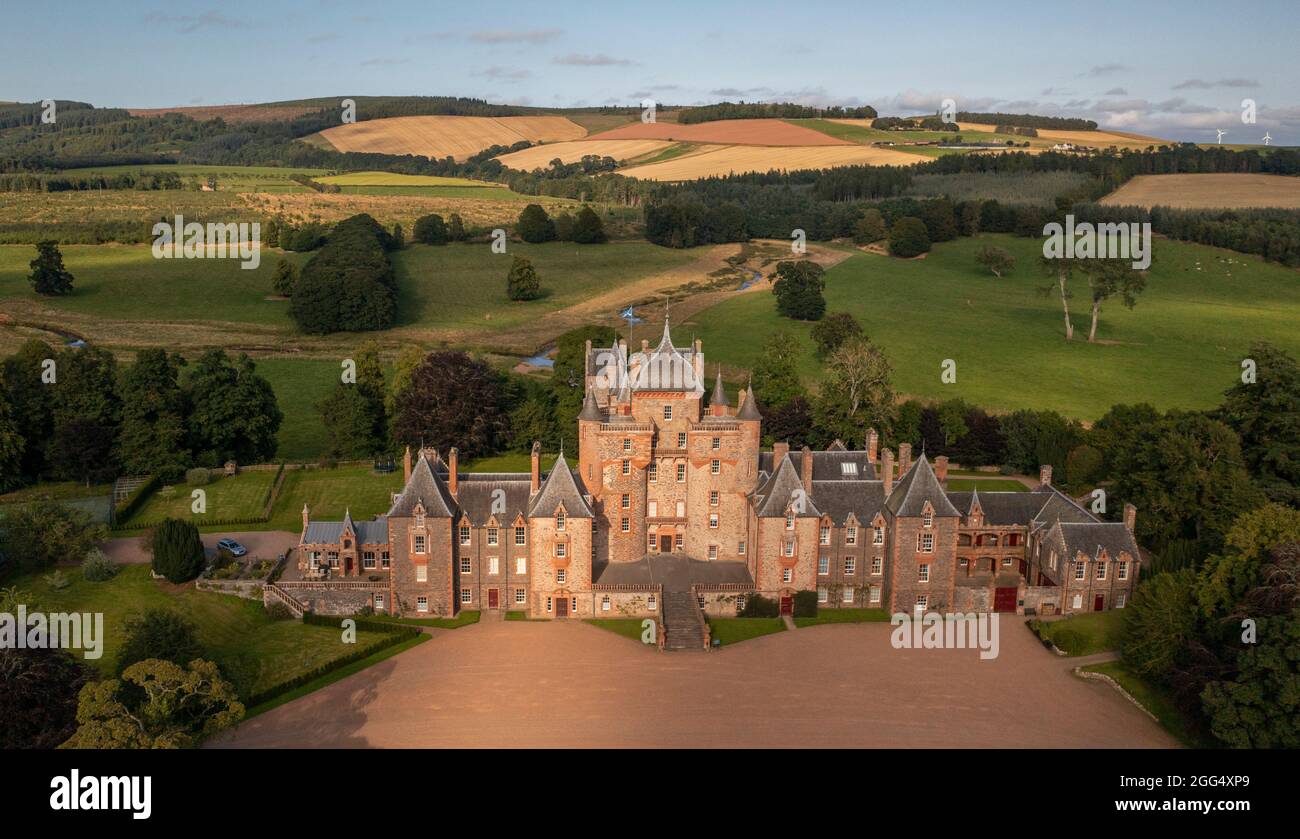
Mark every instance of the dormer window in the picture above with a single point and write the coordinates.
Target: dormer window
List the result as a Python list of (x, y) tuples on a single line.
[(464, 534), (927, 518), (789, 522), (850, 535), (878, 536), (559, 521)]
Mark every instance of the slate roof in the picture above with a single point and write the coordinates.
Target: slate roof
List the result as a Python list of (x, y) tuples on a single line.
[(561, 486), (674, 572), (477, 492), (917, 487), (864, 499), (1090, 538), (590, 410), (1001, 508), (373, 532), (775, 494), (749, 408), (666, 367), (827, 465), (719, 395), (426, 487)]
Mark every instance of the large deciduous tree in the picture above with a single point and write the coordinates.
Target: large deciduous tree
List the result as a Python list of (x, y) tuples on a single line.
[(1265, 413), (856, 392), (452, 400), (776, 375), (40, 687), (798, 289), (534, 225), (154, 412), (234, 414), (355, 419), (1109, 278)]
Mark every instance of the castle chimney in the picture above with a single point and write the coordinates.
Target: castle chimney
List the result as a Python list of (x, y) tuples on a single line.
[(1130, 516), (887, 470), (941, 468), (586, 360), (873, 443), (306, 520), (453, 457), (806, 464), (904, 458), (536, 474), (1045, 475), (779, 451), (406, 467)]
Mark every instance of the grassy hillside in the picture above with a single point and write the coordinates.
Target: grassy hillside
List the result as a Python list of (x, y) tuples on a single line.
[(1182, 345)]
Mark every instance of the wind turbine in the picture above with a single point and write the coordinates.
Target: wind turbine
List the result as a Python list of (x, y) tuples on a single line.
[(1266, 138), (1221, 132)]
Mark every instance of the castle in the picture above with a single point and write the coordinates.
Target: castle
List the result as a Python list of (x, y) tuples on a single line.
[(673, 510)]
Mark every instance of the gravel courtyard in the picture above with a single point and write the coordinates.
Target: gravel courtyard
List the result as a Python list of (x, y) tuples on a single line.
[(554, 684)]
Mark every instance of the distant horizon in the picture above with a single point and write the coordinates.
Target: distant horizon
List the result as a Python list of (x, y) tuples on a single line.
[(1178, 71)]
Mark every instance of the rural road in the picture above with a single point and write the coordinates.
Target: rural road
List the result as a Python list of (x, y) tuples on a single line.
[(261, 544)]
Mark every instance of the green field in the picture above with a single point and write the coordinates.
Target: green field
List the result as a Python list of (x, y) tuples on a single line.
[(332, 492), (985, 485), (1181, 346), (238, 496), (398, 179), (867, 136), (734, 630), (236, 633), (229, 178), (1086, 634)]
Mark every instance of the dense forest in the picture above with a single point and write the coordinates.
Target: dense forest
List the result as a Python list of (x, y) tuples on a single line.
[(765, 110), (1028, 121)]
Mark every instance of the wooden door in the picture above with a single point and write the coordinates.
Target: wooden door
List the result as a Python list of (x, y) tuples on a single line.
[(1099, 603), (1004, 599), (492, 598), (787, 604), (562, 607), (665, 544)]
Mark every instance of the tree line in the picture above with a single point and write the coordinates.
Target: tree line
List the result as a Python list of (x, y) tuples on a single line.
[(769, 110)]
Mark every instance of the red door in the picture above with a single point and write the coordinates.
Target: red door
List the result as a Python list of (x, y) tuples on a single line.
[(665, 544), (787, 604), (1004, 599), (562, 607), (492, 598), (1099, 603)]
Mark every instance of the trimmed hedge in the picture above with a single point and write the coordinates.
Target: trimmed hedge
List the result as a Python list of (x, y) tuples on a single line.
[(805, 604), (135, 500)]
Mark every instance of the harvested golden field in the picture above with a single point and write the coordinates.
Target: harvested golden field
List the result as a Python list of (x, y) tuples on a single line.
[(1099, 139), (737, 159), (442, 136), (539, 157), (1206, 192), (232, 114), (730, 132), (403, 209)]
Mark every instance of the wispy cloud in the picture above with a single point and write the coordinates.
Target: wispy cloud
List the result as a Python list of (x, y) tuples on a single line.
[(384, 62), (512, 74), (1099, 70), (193, 23), (1116, 91), (516, 36), (577, 59), (1202, 84)]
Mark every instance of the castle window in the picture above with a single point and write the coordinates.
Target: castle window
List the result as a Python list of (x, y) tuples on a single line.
[(699, 598), (1080, 570), (927, 520), (467, 595), (419, 543), (713, 521), (873, 594), (334, 559), (627, 444), (716, 443), (681, 473), (521, 596), (627, 467), (561, 550), (668, 412), (384, 560), (713, 551), (681, 439), (494, 565), (625, 525), (677, 541), (1121, 571), (492, 536), (652, 603), (559, 521), (789, 522), (823, 565), (368, 559), (925, 543), (823, 594), (715, 466), (740, 602), (922, 602), (789, 548), (464, 534), (521, 565), (561, 575), (521, 536), (740, 548), (878, 536), (787, 575), (876, 563), (923, 573), (548, 604), (1101, 570), (850, 535), (1120, 599), (846, 596), (652, 541), (850, 565), (849, 470), (652, 472), (626, 501), (465, 566), (422, 573), (379, 602), (421, 604), (824, 535), (604, 603), (713, 498)]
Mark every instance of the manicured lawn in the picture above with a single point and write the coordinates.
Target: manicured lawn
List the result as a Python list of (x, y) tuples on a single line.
[(464, 618), (1154, 699), (300, 384), (253, 650), (237, 496), (1086, 634), (510, 462), (844, 616), (985, 485), (734, 630), (1181, 346), (64, 491), (329, 493), (518, 615), (627, 627)]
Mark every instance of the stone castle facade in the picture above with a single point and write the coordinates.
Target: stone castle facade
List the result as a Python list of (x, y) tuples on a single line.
[(672, 500)]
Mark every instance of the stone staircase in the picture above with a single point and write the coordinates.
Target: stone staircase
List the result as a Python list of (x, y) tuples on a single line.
[(684, 625)]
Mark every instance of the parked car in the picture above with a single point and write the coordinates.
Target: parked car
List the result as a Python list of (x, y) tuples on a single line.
[(232, 547)]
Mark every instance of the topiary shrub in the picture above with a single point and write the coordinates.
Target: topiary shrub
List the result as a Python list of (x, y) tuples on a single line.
[(177, 550), (198, 476), (97, 567), (805, 604)]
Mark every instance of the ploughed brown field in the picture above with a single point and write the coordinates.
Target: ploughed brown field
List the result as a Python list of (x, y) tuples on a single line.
[(1207, 192), (738, 159), (741, 132), (574, 150), (231, 113), (443, 136)]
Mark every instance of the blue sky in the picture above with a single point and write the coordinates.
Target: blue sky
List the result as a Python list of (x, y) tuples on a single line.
[(1174, 69)]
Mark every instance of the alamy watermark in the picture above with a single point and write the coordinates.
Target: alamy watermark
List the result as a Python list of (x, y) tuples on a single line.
[(1109, 240), (946, 631), (55, 631), (193, 240)]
